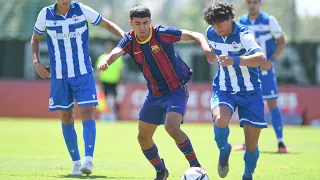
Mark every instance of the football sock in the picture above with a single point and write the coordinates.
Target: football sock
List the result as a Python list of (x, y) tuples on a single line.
[(153, 156), (250, 160), (221, 138), (187, 149), (70, 137), (277, 123), (89, 137)]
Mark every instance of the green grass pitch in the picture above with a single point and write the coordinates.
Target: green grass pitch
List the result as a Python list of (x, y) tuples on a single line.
[(35, 150)]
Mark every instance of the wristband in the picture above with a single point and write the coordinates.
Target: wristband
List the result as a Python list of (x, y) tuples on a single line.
[(236, 60)]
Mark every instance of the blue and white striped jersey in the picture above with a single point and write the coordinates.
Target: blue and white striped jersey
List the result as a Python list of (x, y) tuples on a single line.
[(68, 39), (266, 30), (241, 42)]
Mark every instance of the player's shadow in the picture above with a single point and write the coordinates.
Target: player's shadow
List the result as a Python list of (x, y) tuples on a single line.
[(82, 177), (94, 177), (125, 178), (277, 153)]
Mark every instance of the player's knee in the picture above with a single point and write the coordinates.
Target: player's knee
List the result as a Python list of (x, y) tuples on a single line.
[(86, 113), (67, 117), (221, 121), (172, 129), (272, 103), (142, 137), (251, 146)]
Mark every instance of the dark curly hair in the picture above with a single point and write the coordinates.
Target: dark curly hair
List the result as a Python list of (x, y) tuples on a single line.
[(218, 11), (140, 11)]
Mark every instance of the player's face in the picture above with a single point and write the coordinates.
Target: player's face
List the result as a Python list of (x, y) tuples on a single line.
[(141, 26), (253, 6), (64, 3), (223, 28)]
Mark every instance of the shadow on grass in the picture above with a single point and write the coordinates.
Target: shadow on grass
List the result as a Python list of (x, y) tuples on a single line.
[(93, 177), (277, 153)]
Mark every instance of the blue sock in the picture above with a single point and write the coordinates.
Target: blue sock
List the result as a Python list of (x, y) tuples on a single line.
[(153, 156), (89, 136), (221, 138), (70, 137), (277, 122), (250, 161), (187, 149)]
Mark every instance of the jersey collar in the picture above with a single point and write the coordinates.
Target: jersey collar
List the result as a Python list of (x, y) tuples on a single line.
[(148, 39), (235, 27), (54, 7), (260, 15)]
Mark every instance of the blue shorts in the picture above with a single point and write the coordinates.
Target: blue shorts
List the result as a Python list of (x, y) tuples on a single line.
[(64, 91), (155, 108), (250, 106), (269, 85)]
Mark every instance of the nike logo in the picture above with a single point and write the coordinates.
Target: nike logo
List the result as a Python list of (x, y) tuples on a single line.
[(174, 106), (137, 52), (222, 148)]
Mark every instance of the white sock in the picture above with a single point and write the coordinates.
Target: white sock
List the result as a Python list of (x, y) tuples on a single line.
[(77, 162), (88, 158), (280, 140)]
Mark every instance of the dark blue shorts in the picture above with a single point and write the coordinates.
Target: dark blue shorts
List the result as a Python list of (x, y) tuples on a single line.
[(155, 108)]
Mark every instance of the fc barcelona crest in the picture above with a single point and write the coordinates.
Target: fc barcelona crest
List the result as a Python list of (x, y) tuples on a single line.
[(155, 48)]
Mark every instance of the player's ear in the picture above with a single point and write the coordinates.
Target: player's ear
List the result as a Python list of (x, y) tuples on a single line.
[(130, 22)]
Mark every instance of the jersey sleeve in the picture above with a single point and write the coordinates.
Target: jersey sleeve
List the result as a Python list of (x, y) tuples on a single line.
[(275, 27), (169, 35), (91, 15), (126, 44), (240, 20), (249, 43), (40, 25)]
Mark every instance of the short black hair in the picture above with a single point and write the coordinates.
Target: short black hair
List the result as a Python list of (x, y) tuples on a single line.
[(218, 11), (140, 11)]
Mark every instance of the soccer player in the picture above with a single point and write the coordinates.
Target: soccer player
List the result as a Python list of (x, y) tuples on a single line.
[(236, 84), (270, 37), (167, 75), (66, 26)]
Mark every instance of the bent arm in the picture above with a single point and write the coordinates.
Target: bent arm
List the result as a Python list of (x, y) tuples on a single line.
[(254, 60)]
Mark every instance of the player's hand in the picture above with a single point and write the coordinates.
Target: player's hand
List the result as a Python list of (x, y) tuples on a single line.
[(211, 55), (103, 65), (225, 60), (41, 70), (266, 66)]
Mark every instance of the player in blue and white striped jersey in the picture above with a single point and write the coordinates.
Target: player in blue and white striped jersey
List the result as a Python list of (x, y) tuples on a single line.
[(65, 24), (270, 37), (236, 84)]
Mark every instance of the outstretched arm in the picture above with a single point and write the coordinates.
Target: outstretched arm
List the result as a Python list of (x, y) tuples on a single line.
[(96, 19), (112, 27), (110, 58), (202, 41)]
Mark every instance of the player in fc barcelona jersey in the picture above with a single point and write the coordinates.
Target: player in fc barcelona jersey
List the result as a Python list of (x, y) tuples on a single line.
[(167, 75)]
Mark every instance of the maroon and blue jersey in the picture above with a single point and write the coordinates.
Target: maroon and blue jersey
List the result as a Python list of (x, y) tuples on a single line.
[(163, 69)]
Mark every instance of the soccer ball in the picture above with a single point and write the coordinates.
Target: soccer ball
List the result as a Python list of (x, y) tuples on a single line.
[(195, 173)]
